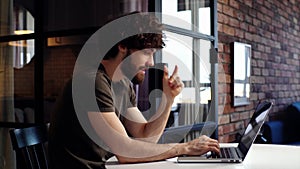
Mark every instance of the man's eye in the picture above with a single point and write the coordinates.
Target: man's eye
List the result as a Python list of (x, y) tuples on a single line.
[(147, 53)]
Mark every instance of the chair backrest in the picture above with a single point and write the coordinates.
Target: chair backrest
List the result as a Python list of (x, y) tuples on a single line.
[(30, 146)]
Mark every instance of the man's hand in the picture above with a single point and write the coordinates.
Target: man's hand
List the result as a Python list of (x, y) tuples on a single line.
[(172, 85), (200, 146)]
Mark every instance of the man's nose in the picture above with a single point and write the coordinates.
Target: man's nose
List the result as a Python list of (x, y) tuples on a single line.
[(150, 62)]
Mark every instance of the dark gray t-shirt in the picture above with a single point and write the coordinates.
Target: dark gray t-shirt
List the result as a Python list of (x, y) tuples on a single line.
[(69, 146)]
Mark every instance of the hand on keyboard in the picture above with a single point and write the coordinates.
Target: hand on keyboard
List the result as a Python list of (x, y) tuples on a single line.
[(212, 154), (201, 146)]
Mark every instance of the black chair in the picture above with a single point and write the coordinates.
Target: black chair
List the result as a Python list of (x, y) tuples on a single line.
[(30, 146), (284, 130)]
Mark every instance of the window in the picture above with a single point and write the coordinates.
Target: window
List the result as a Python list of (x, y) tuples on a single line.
[(17, 48), (196, 14), (191, 36), (35, 64)]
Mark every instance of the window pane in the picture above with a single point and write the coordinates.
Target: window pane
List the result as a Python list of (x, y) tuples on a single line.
[(17, 81), (171, 7), (179, 51), (17, 75), (205, 71), (204, 20), (16, 18), (183, 10), (193, 59), (23, 52)]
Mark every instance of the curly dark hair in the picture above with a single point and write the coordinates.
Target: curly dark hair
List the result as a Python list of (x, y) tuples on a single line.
[(149, 33)]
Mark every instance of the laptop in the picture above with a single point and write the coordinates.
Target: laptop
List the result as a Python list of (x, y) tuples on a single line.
[(235, 154)]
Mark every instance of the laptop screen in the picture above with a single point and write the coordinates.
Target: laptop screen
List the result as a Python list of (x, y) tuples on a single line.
[(254, 126)]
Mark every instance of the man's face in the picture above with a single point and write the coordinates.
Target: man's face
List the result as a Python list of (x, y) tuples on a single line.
[(136, 63)]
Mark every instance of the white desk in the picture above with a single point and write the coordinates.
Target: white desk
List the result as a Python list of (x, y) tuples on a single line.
[(260, 156)]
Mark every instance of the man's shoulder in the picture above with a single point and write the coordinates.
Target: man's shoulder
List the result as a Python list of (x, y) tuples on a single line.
[(102, 78)]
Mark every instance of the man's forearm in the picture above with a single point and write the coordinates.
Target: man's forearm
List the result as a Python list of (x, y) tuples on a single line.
[(164, 151), (156, 125)]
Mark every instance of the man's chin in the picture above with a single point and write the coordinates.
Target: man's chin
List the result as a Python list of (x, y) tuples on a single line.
[(138, 79)]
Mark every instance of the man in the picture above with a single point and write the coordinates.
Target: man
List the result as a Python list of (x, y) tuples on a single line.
[(118, 127)]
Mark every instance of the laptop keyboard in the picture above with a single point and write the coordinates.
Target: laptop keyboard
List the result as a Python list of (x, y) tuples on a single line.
[(225, 153)]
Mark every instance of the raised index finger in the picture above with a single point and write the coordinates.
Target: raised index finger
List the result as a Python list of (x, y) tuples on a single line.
[(175, 71)]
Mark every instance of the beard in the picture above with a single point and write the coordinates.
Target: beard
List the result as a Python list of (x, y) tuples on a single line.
[(138, 78), (130, 72)]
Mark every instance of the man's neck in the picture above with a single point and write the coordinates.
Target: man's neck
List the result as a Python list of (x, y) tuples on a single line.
[(113, 70)]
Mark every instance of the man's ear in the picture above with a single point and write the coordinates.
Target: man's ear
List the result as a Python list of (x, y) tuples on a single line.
[(122, 48)]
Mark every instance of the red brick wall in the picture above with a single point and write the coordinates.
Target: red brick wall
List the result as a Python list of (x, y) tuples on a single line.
[(272, 28)]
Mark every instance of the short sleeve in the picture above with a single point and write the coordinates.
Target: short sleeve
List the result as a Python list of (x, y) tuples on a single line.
[(103, 93)]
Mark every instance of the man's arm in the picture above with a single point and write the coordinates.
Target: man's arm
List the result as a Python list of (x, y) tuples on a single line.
[(109, 128), (152, 130)]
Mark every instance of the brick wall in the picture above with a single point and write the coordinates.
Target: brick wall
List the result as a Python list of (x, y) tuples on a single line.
[(58, 68), (272, 28)]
